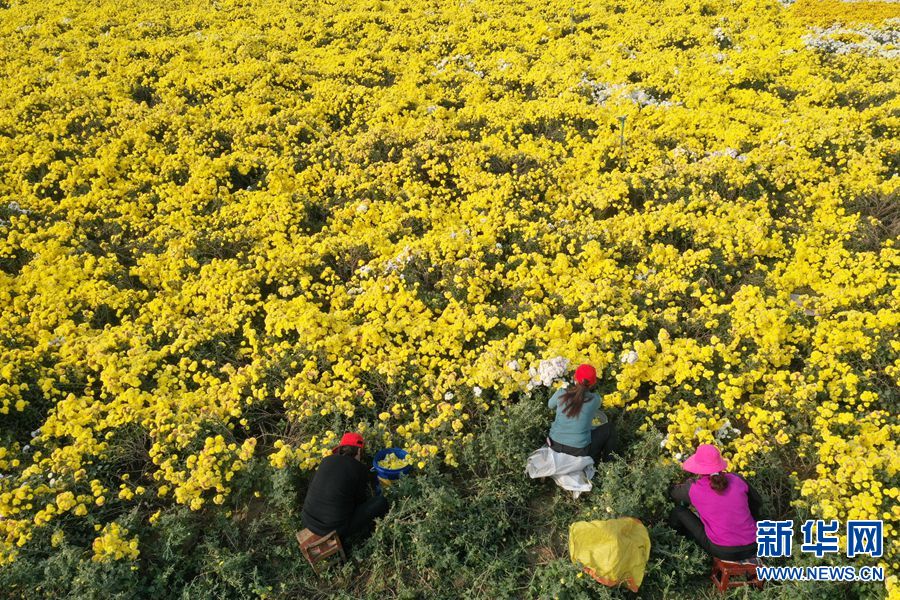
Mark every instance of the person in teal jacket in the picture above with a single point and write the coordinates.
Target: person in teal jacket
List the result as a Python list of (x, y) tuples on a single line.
[(577, 405)]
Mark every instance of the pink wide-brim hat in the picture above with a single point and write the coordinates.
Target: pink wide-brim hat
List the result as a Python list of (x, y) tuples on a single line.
[(705, 461)]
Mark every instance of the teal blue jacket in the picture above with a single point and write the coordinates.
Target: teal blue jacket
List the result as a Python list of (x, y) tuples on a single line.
[(573, 432)]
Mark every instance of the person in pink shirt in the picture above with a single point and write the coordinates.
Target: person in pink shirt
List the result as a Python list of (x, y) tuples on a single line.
[(727, 507)]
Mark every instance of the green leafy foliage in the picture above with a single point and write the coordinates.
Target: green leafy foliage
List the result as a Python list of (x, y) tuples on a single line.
[(484, 530)]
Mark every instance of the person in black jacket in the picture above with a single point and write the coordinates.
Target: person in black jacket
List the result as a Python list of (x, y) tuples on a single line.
[(339, 497)]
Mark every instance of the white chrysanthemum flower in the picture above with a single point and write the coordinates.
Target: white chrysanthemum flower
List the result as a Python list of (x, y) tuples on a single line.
[(14, 207), (477, 391), (548, 371)]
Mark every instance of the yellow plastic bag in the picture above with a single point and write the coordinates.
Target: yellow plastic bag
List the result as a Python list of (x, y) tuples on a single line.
[(612, 552)]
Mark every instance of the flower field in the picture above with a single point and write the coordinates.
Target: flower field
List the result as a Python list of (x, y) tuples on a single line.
[(232, 230)]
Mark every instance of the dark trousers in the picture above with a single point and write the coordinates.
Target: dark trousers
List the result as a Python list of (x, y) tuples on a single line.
[(362, 523), (684, 521), (603, 442)]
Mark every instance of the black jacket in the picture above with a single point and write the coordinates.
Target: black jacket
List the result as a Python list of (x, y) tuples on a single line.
[(341, 483)]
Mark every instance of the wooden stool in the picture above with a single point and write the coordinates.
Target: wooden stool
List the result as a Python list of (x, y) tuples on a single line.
[(724, 570), (317, 548)]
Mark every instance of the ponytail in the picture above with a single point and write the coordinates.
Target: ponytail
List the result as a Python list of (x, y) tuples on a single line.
[(718, 482), (573, 399)]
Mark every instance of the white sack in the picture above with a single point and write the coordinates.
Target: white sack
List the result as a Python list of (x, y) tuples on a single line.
[(572, 473)]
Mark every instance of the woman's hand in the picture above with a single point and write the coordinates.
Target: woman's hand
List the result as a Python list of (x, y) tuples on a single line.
[(680, 492)]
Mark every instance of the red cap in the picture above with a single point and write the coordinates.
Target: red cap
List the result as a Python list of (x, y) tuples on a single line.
[(350, 439), (586, 374)]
